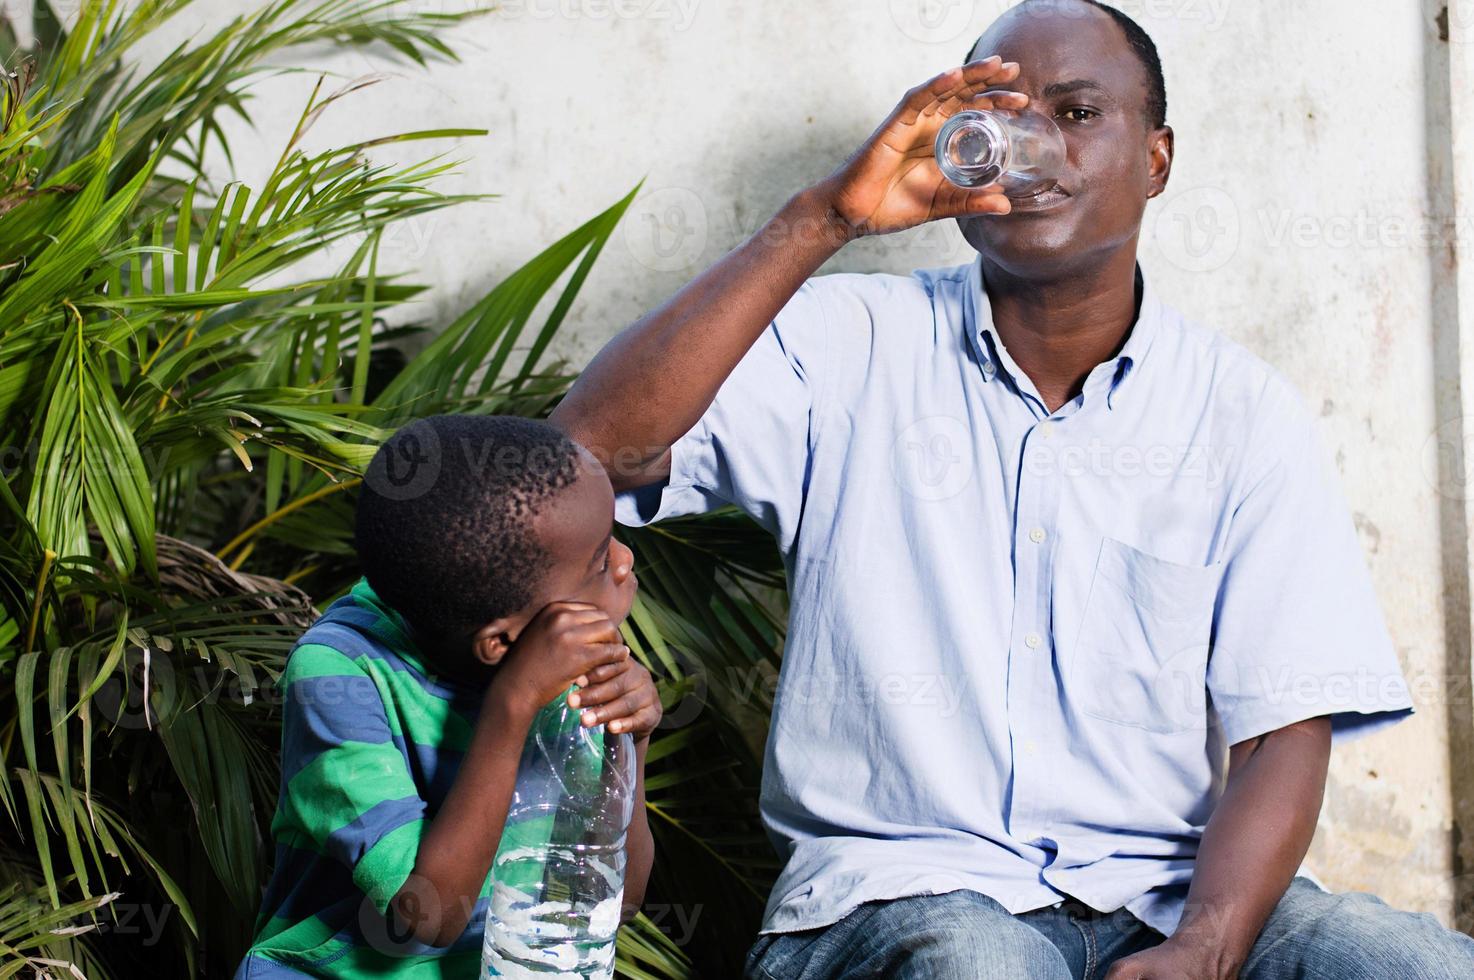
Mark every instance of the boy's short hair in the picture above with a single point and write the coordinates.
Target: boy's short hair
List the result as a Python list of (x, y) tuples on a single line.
[(444, 523)]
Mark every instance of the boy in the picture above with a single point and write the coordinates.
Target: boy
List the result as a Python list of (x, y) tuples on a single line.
[(491, 582)]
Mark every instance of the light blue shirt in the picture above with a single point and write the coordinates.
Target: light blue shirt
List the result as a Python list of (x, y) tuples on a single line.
[(1020, 644)]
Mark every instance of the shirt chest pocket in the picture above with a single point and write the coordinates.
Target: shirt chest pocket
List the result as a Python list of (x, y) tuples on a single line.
[(1141, 656)]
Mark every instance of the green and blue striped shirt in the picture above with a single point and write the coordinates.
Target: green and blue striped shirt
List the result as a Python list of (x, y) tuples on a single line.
[(371, 742)]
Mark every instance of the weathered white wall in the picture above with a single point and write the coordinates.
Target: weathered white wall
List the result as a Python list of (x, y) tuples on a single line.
[(1311, 216)]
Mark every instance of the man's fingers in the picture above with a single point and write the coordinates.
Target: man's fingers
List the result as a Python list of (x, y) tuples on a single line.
[(990, 99), (987, 202), (996, 99), (954, 79), (978, 76), (989, 71)]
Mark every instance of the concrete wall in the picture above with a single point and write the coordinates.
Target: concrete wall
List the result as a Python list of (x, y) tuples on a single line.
[(1325, 165)]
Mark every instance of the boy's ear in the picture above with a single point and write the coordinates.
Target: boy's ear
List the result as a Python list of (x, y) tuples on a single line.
[(491, 642)]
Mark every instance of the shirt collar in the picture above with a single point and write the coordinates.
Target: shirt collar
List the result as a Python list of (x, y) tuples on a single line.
[(995, 359)]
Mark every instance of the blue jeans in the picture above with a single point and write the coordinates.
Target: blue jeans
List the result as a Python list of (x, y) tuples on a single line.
[(1311, 934)]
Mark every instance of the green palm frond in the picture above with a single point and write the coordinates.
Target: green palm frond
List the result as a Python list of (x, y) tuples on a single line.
[(193, 413)]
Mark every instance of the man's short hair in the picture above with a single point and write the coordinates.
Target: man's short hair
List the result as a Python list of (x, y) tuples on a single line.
[(444, 522), (1145, 50)]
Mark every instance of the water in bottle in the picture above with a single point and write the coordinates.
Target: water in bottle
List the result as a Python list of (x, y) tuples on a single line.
[(558, 875), (1022, 151)]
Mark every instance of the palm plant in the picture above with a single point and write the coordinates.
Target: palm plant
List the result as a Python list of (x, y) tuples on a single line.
[(183, 418)]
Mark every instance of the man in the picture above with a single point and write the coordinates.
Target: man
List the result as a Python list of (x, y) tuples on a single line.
[(1077, 606)]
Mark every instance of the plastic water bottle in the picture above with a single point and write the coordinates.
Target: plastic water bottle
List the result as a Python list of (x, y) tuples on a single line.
[(1022, 151), (558, 875)]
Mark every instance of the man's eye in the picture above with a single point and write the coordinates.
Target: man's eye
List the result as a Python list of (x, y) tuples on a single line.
[(605, 567), (1079, 113)]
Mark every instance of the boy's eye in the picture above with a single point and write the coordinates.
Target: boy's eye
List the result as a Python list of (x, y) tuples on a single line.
[(605, 567), (1079, 113)]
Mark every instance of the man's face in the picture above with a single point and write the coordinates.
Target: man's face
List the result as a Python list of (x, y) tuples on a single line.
[(1076, 67)]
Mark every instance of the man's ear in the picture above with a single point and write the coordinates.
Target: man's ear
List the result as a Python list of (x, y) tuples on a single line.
[(1163, 146), (491, 642)]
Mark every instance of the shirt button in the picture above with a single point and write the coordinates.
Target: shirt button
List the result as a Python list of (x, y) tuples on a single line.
[(1037, 535), (1046, 429), (988, 368), (1033, 640)]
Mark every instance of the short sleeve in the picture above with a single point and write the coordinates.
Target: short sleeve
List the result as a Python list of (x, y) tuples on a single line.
[(347, 786), (752, 446), (1298, 632)]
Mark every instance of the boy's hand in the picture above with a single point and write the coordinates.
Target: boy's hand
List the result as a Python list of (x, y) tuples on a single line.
[(622, 694), (564, 641)]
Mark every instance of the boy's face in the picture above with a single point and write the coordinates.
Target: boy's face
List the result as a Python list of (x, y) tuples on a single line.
[(585, 563)]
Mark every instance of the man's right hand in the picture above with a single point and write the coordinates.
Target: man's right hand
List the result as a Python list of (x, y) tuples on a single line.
[(892, 182), (652, 383), (565, 642)]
